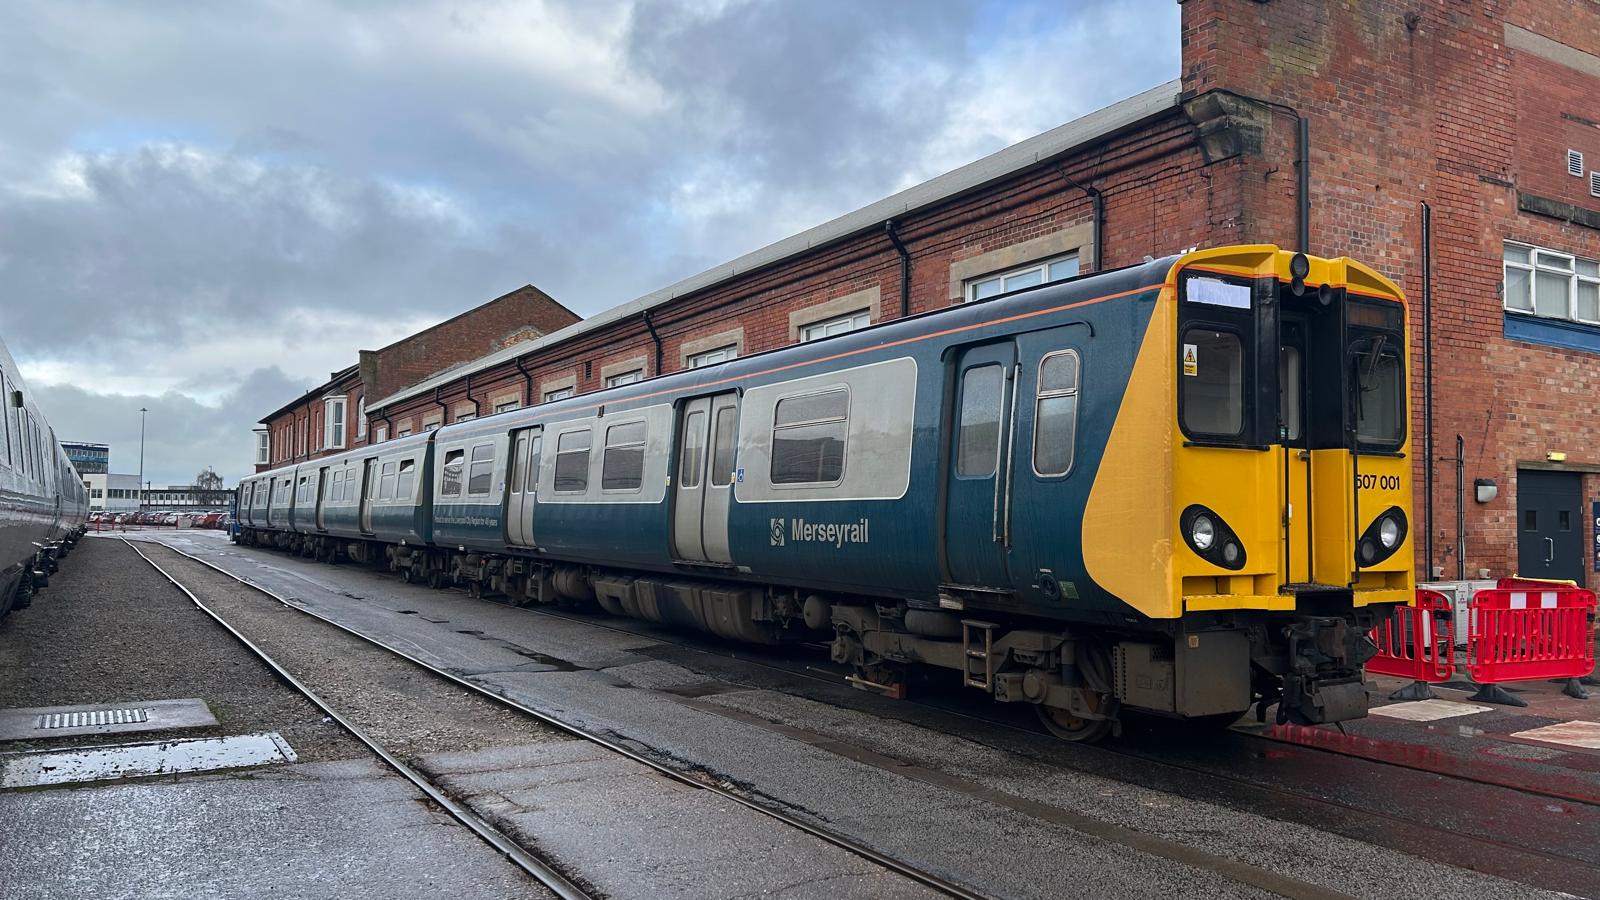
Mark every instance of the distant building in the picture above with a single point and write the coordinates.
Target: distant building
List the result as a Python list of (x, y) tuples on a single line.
[(187, 496), (88, 458), (112, 493)]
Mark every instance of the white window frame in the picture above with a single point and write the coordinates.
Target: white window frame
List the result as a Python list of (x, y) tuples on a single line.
[(844, 324), (380, 434), (1576, 271), (263, 447), (632, 376), (712, 357), (361, 419), (507, 406), (973, 286), (334, 421), (560, 394)]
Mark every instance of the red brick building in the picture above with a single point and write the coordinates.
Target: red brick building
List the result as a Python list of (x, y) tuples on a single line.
[(332, 417), (1487, 112)]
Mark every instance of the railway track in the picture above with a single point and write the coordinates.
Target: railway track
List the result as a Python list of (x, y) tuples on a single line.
[(1409, 834), (537, 868)]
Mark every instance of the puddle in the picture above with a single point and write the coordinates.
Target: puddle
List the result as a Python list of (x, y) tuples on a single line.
[(142, 760)]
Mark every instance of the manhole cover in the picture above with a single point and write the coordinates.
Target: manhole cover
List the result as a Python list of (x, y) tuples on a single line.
[(125, 716)]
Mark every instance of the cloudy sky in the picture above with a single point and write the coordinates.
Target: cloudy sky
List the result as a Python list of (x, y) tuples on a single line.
[(206, 208)]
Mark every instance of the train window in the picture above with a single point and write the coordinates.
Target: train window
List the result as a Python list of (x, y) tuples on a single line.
[(693, 463), (1055, 415), (978, 441), (481, 477), (724, 441), (450, 473), (386, 482), (572, 462), (1211, 386), (335, 487), (622, 467), (808, 435), (407, 479), (302, 493), (519, 467), (1290, 391), (1380, 413)]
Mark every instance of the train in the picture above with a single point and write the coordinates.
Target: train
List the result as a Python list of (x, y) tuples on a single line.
[(1181, 488), (44, 506)]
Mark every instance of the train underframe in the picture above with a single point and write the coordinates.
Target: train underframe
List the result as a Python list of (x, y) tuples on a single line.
[(1080, 678)]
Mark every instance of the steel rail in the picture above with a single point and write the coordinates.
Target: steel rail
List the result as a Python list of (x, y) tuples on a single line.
[(928, 879), (490, 835)]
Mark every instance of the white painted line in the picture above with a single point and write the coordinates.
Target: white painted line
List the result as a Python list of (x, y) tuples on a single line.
[(1573, 734), (1427, 710), (138, 760)]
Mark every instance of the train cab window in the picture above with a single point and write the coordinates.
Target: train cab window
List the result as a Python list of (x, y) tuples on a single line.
[(481, 476), (1380, 416), (406, 480), (622, 467), (572, 462), (1211, 383), (693, 459), (724, 444), (978, 442), (386, 482), (1055, 415), (450, 473), (808, 435)]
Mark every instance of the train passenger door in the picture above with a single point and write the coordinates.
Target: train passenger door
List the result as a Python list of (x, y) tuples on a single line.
[(1295, 464), (708, 437), (522, 486), (369, 484), (977, 529), (322, 496)]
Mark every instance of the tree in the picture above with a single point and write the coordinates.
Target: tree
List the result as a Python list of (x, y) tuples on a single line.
[(208, 480)]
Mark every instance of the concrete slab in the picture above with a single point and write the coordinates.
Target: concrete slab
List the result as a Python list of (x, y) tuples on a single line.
[(122, 761), (1572, 734), (339, 829), (39, 722), (1427, 710)]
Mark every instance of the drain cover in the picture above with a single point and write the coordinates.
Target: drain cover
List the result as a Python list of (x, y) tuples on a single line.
[(94, 717), (116, 762)]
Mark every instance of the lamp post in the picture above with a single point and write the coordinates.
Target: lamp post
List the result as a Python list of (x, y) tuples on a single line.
[(142, 412)]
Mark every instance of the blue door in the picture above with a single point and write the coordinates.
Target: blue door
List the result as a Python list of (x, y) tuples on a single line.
[(979, 479)]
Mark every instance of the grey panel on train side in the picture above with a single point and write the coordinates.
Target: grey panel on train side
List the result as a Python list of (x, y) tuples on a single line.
[(876, 462), (657, 452)]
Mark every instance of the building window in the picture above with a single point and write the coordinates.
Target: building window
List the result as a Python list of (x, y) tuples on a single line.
[(816, 331), (380, 434), (466, 417), (622, 378), (333, 422), (507, 406), (361, 419), (560, 394), (1054, 269), (712, 357), (1552, 284), (263, 448), (405, 431)]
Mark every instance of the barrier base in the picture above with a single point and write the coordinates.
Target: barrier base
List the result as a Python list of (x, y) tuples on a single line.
[(1416, 690), (1574, 689), (1589, 680), (1494, 693)]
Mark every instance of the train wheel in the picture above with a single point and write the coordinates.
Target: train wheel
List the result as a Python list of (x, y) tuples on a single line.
[(1068, 727)]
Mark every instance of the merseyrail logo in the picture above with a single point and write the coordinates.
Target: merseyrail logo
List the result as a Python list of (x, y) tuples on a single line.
[(836, 533)]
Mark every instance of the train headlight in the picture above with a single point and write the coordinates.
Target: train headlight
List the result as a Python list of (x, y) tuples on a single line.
[(1210, 538), (1388, 532)]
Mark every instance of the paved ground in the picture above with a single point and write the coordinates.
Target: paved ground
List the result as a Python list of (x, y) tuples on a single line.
[(111, 630), (990, 804)]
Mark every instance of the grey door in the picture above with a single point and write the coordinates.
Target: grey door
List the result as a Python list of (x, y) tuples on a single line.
[(720, 468), (322, 495), (1550, 525), (522, 486), (369, 476), (689, 492)]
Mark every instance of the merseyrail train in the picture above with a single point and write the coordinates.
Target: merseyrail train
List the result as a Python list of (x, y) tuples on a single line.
[(1181, 487), (44, 507)]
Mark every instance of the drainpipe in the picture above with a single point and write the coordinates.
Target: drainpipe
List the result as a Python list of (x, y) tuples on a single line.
[(1097, 218), (1427, 373), (1461, 511), (477, 408), (527, 387), (444, 411), (650, 326), (890, 229)]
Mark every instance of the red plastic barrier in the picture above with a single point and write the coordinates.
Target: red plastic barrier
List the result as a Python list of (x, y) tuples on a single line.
[(1417, 641), (1527, 630)]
